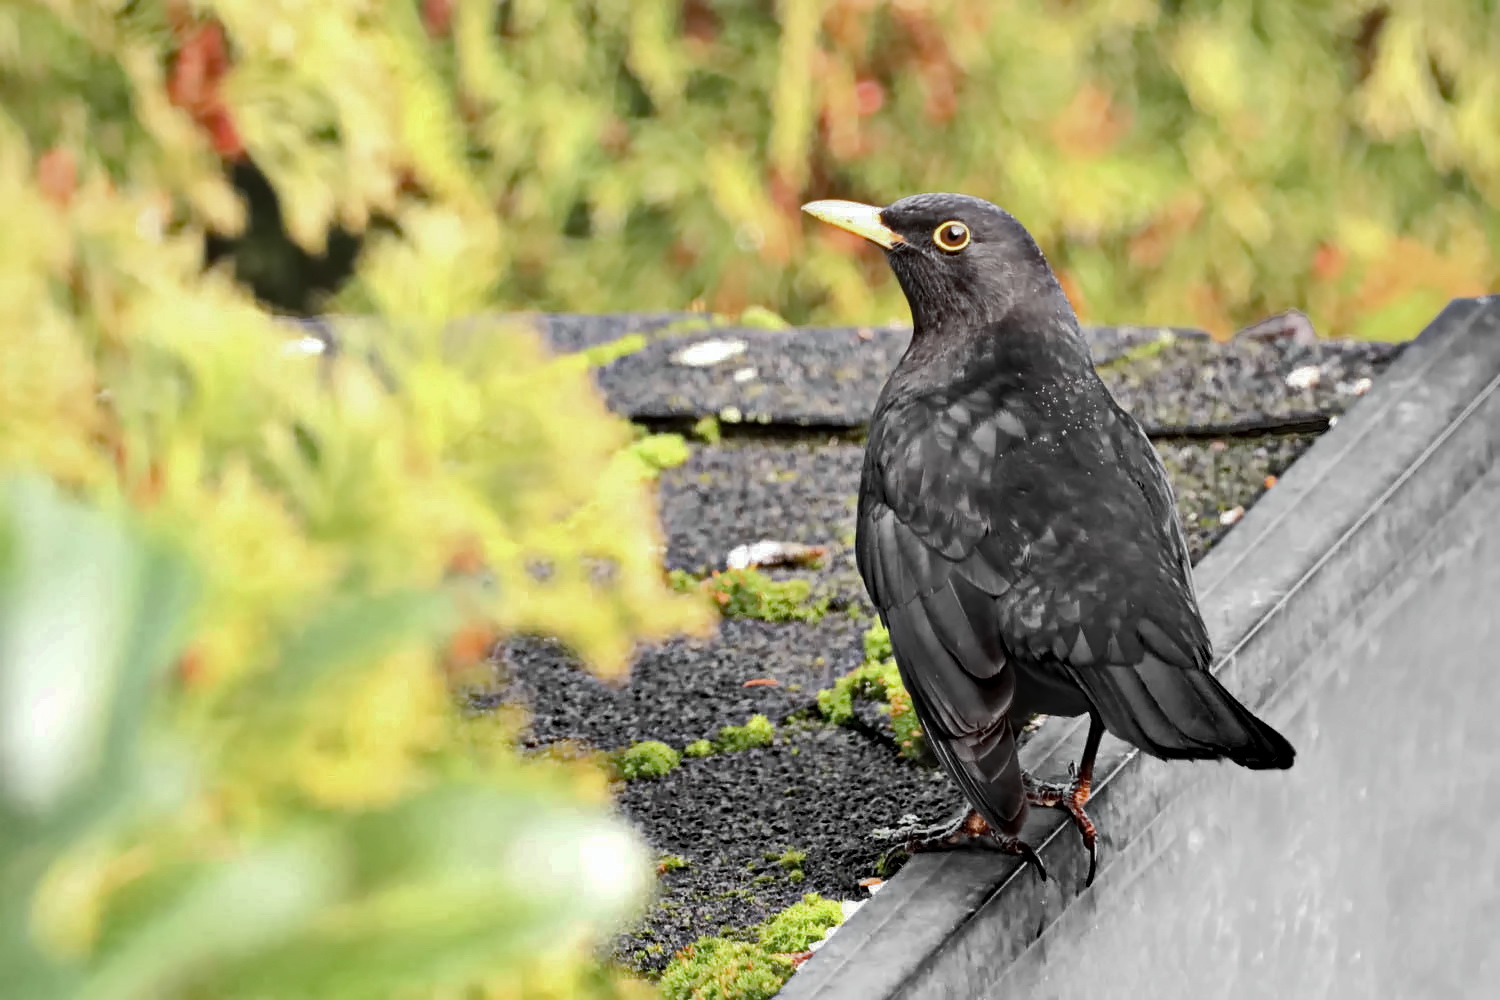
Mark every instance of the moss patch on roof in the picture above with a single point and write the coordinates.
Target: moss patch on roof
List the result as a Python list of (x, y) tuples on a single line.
[(648, 759), (749, 593), (753, 965), (876, 680)]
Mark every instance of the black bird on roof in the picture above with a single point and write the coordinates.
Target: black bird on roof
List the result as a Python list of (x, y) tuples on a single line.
[(1017, 532)]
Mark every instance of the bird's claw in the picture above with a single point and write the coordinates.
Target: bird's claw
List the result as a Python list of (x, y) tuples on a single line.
[(909, 827), (1070, 798), (970, 829), (1017, 846)]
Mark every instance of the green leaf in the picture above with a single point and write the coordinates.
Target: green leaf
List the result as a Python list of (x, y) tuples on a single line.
[(178, 923), (91, 612)]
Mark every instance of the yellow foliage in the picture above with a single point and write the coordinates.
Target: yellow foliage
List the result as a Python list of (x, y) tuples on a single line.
[(303, 809), (652, 154)]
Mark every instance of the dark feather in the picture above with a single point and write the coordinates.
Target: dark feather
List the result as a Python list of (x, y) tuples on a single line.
[(1178, 714)]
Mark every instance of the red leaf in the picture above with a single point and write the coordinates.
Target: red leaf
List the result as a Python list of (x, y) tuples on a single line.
[(193, 84), (469, 645), (699, 22), (437, 17), (869, 97), (225, 137), (1329, 262), (191, 670), (467, 558), (57, 175)]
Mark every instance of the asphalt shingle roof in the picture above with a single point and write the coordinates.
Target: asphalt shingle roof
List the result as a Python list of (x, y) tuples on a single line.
[(787, 469)]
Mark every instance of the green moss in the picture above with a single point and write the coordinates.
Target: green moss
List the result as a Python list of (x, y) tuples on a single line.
[(904, 722), (719, 968), (797, 877), (878, 680), (868, 682), (744, 894), (660, 451), (800, 924), (758, 731), (603, 354), (707, 429), (749, 593), (877, 644), (1139, 353), (791, 858), (650, 759), (670, 863)]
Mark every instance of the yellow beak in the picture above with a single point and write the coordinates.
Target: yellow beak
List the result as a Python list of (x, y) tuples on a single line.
[(861, 220)]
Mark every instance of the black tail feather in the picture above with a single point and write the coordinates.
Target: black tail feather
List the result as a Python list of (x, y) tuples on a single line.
[(1175, 713)]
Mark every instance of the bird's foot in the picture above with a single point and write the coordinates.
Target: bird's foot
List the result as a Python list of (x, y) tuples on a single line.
[(1071, 798), (970, 829)]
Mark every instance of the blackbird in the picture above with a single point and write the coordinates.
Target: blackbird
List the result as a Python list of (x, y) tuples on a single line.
[(1017, 532)]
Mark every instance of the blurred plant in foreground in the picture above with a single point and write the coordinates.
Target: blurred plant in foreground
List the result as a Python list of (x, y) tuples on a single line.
[(239, 585), (1195, 163)]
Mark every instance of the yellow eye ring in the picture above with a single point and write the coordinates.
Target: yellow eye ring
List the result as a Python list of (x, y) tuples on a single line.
[(951, 236)]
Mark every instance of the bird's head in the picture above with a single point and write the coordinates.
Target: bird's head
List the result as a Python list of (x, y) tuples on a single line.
[(961, 261)]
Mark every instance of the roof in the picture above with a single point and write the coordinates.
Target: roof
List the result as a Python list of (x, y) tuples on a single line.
[(1227, 417)]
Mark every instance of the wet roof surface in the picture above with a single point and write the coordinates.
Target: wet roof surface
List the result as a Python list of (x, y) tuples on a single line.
[(822, 789)]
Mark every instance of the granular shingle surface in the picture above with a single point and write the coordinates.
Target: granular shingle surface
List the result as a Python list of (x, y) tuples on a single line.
[(684, 689), (831, 377), (819, 790)]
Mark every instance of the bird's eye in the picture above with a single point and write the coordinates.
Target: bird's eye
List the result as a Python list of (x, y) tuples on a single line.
[(951, 236)]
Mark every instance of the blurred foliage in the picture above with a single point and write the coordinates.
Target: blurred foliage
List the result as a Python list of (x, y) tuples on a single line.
[(1191, 163), (242, 586)]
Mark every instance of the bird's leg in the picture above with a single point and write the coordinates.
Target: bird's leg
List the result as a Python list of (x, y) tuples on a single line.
[(1073, 796), (970, 828)]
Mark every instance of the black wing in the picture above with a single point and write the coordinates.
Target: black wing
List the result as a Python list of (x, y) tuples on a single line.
[(923, 515), (1163, 699)]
